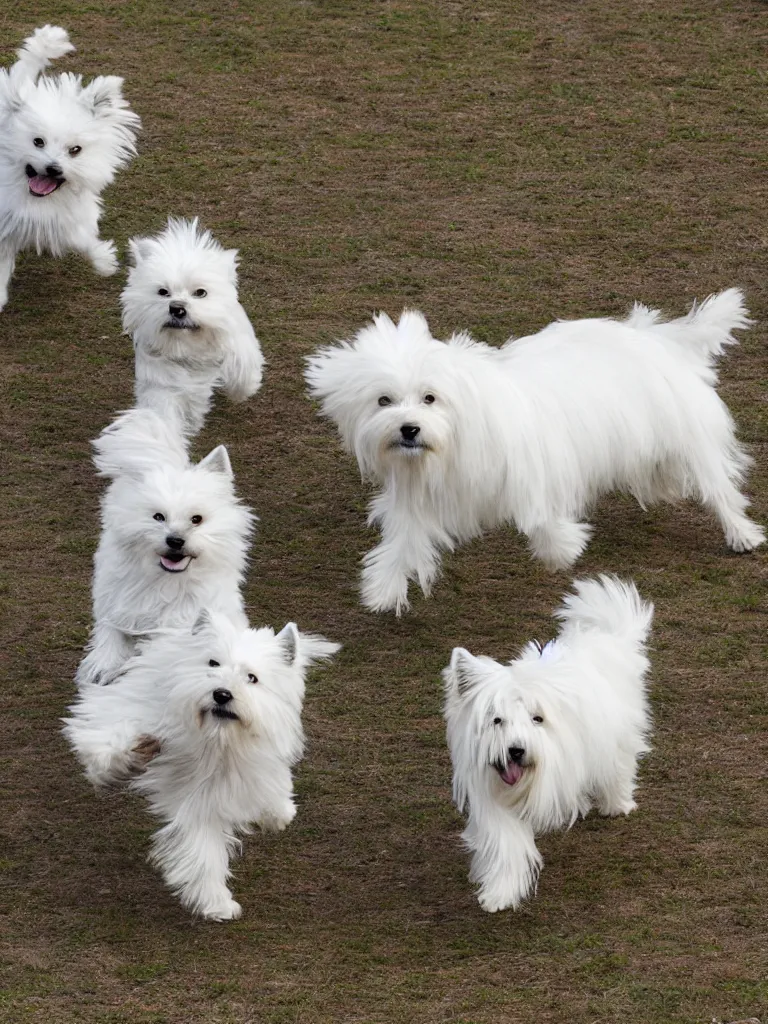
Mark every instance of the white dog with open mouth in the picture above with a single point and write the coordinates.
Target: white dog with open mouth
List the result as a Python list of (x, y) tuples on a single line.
[(60, 145), (205, 723), (463, 437), (190, 332), (174, 539), (537, 742)]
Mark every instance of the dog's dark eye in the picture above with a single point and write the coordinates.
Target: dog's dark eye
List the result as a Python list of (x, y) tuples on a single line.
[(497, 721), (74, 150), (429, 399), (385, 400), (39, 142), (538, 719), (200, 293), (159, 517), (163, 291), (196, 520), (213, 664), (252, 678)]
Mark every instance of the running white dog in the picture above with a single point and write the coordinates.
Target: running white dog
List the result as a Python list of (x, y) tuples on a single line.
[(174, 540), (206, 723), (190, 332), (60, 145), (463, 437), (535, 743)]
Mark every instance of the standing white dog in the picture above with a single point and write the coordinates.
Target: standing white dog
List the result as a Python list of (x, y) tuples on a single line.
[(207, 725), (463, 437), (190, 332), (535, 743), (174, 540), (60, 145)]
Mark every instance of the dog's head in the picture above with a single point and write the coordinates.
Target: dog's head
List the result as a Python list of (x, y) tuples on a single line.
[(392, 393), (182, 282), (63, 137), (240, 686), (177, 521)]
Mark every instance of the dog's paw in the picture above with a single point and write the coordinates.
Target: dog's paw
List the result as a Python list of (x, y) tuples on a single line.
[(104, 259), (227, 910), (387, 596), (278, 822), (746, 538), (493, 902), (615, 810)]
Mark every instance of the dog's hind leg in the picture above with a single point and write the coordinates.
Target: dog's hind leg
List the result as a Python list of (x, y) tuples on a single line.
[(615, 795), (714, 476), (192, 855), (7, 263), (558, 542)]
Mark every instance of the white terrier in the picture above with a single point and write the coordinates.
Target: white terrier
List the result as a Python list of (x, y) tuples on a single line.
[(60, 146), (463, 437), (189, 331), (535, 743), (174, 540), (207, 725)]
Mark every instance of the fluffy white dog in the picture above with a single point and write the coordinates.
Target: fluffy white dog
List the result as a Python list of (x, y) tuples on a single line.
[(535, 743), (207, 725), (174, 539), (463, 437), (190, 333), (60, 145)]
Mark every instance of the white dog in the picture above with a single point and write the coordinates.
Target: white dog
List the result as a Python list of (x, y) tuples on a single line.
[(189, 331), (207, 725), (535, 743), (174, 540), (463, 437), (60, 145)]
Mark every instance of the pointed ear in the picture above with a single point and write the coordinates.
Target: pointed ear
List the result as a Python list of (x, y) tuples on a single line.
[(466, 671), (231, 256), (288, 638), (217, 461), (104, 94), (203, 622), (140, 249)]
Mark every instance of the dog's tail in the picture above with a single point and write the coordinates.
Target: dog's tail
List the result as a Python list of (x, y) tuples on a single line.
[(607, 605), (706, 329), (138, 441), (38, 50)]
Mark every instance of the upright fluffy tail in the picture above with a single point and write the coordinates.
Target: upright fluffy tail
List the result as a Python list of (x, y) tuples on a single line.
[(138, 441), (706, 329), (608, 605), (38, 50)]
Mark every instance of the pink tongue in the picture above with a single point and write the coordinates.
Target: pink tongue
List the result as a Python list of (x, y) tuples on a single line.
[(173, 566), (41, 185), (512, 773)]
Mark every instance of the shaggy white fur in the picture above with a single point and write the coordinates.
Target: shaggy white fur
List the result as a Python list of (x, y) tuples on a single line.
[(190, 332), (462, 437), (206, 724), (60, 145), (537, 742), (174, 539)]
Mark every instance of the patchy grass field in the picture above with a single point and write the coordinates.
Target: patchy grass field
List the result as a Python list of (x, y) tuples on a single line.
[(497, 164)]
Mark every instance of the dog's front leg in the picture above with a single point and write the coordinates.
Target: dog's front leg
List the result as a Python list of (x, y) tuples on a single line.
[(108, 650), (243, 364), (7, 263), (102, 254), (192, 854), (276, 807), (505, 861)]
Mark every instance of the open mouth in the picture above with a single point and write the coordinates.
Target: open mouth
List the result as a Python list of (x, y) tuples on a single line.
[(219, 712), (42, 184), (175, 562), (510, 773)]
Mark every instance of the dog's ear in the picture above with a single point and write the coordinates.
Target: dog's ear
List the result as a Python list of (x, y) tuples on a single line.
[(288, 638), (140, 249), (202, 623), (466, 671), (217, 461), (104, 95), (231, 258)]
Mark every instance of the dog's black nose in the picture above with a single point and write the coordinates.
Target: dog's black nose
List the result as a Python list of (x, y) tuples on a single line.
[(175, 543), (177, 310), (222, 696), (516, 754), (53, 171), (409, 431)]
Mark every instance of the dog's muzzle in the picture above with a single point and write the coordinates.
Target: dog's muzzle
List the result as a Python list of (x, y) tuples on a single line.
[(173, 558), (178, 318), (221, 698), (513, 769), (41, 185)]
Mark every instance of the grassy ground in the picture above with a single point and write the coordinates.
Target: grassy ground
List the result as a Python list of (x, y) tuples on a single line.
[(498, 165)]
